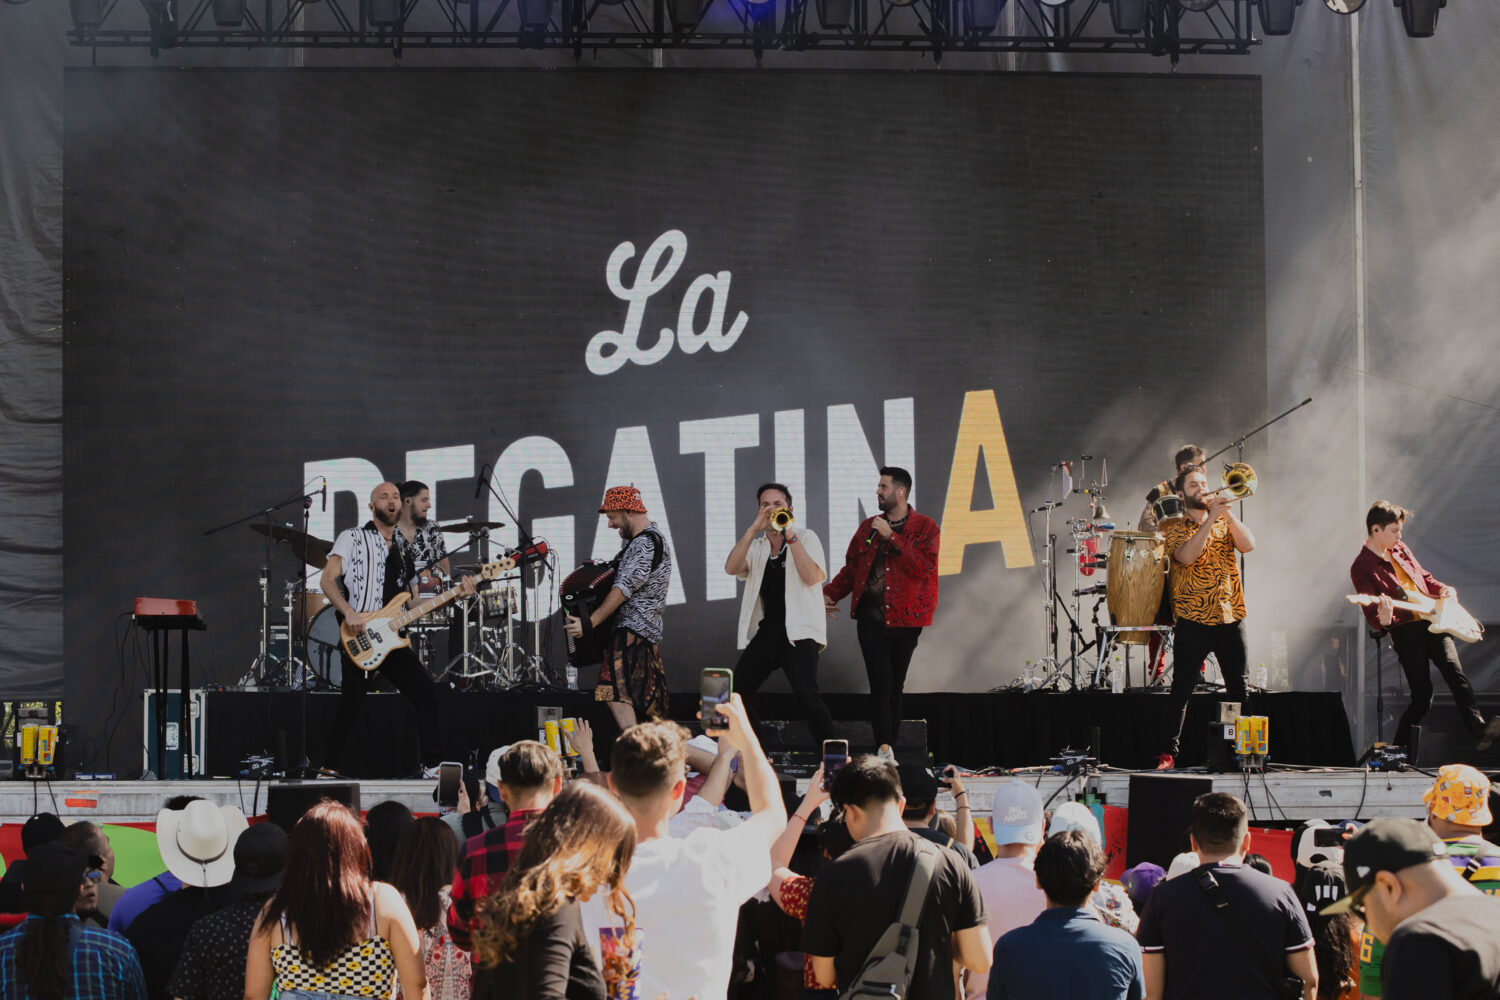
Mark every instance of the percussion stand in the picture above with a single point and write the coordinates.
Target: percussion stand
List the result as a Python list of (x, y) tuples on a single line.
[(468, 658), (534, 664)]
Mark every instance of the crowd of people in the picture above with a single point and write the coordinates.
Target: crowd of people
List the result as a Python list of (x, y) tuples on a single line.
[(681, 873)]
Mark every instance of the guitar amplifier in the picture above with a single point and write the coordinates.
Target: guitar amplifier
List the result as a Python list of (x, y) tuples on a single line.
[(197, 707)]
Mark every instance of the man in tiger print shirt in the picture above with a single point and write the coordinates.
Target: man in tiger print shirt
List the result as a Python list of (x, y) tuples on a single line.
[(1208, 599)]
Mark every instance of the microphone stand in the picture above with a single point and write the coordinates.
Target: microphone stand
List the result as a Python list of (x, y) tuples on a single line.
[(1239, 445)]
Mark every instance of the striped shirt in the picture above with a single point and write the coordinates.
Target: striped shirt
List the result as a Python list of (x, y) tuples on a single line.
[(102, 965), (364, 552)]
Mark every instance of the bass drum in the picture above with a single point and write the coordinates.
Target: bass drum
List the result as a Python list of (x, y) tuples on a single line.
[(1137, 575), (323, 648)]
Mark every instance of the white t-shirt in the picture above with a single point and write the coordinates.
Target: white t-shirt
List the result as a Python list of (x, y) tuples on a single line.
[(687, 896), (1008, 888)]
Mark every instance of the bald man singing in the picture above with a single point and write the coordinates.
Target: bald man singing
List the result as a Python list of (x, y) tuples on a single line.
[(365, 572)]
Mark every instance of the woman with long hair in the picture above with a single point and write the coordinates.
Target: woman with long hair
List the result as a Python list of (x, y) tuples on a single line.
[(330, 931), (385, 822), (422, 871), (530, 941)]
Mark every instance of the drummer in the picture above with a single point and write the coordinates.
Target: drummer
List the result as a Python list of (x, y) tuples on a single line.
[(1208, 598), (1156, 648), (1188, 454), (418, 540)]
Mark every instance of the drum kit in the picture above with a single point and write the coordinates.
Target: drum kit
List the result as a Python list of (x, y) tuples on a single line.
[(470, 643), (1136, 567)]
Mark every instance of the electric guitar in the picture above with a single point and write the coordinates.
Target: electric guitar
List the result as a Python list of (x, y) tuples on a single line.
[(1442, 614), (384, 633)]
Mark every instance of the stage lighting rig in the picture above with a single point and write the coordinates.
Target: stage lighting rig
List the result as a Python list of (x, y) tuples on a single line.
[(1276, 16), (1419, 17)]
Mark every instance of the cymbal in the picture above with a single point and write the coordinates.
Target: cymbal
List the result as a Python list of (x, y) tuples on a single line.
[(470, 525), (313, 550)]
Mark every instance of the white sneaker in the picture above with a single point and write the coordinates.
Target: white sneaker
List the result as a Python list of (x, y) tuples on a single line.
[(429, 772), (886, 753)]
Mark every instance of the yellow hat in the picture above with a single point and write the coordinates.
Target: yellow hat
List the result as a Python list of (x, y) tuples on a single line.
[(1461, 794)]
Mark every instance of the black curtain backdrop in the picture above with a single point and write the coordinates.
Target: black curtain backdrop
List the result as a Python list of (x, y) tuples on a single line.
[(276, 276)]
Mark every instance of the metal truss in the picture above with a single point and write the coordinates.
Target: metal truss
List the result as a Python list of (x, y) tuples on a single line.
[(935, 27)]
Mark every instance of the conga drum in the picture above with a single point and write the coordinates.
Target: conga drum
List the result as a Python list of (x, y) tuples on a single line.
[(1137, 574)]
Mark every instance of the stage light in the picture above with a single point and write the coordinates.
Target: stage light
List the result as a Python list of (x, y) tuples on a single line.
[(1420, 16), (535, 14), (684, 14), (384, 13), (1344, 6), (836, 14), (229, 13), (86, 13), (1128, 16), (1276, 16), (981, 16)]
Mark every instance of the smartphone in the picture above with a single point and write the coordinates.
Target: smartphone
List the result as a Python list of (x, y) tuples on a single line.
[(715, 685), (1328, 836), (450, 774), (835, 756)]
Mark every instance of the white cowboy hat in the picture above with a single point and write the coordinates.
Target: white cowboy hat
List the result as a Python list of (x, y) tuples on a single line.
[(197, 843)]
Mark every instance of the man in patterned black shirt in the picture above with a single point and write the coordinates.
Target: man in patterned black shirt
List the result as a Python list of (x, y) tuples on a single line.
[(418, 539), (632, 680)]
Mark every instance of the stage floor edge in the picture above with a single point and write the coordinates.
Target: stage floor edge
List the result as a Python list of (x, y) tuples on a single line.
[(1334, 793)]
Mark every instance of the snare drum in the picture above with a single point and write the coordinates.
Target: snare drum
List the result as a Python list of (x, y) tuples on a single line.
[(1167, 508), (1137, 574)]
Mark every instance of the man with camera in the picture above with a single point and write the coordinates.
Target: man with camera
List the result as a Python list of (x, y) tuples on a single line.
[(782, 621)]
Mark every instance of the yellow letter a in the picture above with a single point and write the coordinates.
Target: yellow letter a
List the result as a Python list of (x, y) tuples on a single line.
[(979, 429)]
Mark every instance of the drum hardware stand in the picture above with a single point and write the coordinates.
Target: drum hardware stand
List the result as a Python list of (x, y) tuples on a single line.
[(535, 664), (1051, 670), (1107, 636), (258, 665)]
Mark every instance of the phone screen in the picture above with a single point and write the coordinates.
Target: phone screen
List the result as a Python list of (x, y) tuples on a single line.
[(449, 776), (835, 756), (714, 688), (1328, 836)]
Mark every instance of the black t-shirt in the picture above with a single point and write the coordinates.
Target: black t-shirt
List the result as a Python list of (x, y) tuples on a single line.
[(553, 961), (161, 931), (1207, 952), (1449, 950), (773, 593), (858, 896), (943, 840)]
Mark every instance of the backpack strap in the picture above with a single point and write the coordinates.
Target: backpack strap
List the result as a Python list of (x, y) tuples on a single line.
[(921, 880)]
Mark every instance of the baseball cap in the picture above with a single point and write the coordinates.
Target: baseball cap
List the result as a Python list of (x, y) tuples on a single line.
[(54, 867), (259, 857), (1320, 884), (1384, 845), (1140, 881), (40, 829), (918, 785), (1017, 815), (492, 766), (1075, 816), (1182, 864), (1461, 794)]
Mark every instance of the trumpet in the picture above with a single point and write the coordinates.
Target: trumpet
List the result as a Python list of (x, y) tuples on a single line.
[(781, 520), (1239, 481)]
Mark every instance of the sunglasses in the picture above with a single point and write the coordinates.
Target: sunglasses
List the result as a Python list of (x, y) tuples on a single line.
[(93, 875)]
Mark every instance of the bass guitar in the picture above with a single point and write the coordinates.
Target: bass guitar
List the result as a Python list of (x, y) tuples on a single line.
[(1442, 614), (384, 630)]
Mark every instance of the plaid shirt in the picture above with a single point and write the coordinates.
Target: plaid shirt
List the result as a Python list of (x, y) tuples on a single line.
[(486, 859), (103, 966)]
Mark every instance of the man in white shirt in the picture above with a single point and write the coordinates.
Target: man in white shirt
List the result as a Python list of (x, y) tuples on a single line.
[(1008, 884), (783, 624), (688, 892)]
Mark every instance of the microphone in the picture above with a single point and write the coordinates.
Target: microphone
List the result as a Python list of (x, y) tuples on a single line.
[(484, 474), (324, 491), (873, 534)]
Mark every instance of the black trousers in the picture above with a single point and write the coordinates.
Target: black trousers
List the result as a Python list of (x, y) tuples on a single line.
[(1416, 645), (768, 652), (402, 668), (1191, 644), (887, 653)]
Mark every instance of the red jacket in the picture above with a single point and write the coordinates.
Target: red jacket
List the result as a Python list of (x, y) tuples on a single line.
[(911, 577), (1373, 575)]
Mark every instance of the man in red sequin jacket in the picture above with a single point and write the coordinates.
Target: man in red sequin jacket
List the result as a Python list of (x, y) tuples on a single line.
[(891, 569)]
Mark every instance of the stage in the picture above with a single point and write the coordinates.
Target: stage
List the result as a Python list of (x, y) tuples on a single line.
[(976, 731)]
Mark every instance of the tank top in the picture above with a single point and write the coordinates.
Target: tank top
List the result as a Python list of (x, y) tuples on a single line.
[(364, 969)]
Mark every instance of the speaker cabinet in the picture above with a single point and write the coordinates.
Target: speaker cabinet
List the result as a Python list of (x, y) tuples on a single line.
[(1160, 805), (286, 801)]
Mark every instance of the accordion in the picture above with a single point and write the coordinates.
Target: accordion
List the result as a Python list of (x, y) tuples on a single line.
[(582, 592)]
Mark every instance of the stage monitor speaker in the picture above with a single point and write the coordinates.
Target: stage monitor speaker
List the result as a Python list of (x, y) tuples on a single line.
[(1160, 807), (286, 801)]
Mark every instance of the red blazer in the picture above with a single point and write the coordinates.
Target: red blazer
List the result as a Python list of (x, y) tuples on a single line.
[(1373, 575), (911, 577)]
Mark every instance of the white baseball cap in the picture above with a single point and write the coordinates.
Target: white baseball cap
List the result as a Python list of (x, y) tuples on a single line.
[(1017, 815)]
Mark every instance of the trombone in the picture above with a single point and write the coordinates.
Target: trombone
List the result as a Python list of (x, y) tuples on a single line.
[(1239, 481)]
